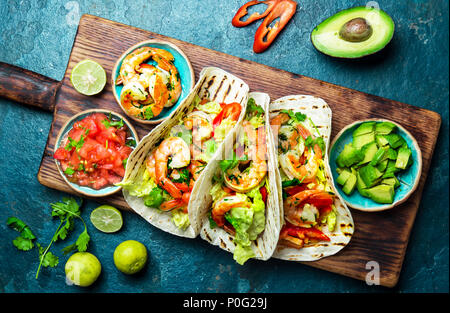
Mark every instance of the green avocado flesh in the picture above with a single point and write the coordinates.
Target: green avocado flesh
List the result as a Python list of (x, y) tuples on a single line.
[(329, 36)]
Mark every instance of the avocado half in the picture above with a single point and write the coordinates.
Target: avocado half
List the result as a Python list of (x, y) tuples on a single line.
[(353, 33)]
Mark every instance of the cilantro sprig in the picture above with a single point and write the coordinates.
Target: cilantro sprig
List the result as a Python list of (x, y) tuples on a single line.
[(297, 116), (68, 210)]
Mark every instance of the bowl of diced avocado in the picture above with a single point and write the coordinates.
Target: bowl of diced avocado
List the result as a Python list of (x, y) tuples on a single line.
[(376, 164)]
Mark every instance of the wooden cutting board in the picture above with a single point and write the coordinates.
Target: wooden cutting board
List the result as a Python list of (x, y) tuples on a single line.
[(380, 237)]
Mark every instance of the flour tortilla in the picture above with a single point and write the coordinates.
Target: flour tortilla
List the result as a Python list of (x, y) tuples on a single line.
[(320, 113), (215, 84), (265, 244)]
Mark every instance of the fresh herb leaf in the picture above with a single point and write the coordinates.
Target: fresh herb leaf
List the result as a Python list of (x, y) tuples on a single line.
[(289, 183), (131, 143), (69, 171), (184, 176), (253, 109), (148, 113), (297, 116)]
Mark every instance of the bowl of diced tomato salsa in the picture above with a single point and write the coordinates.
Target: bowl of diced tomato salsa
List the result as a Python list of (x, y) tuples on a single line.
[(92, 150)]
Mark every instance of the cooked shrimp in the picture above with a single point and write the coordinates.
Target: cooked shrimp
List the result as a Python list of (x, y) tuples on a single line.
[(243, 180), (293, 205), (201, 125), (133, 60), (304, 168), (225, 204), (174, 83), (150, 165), (177, 149), (148, 89)]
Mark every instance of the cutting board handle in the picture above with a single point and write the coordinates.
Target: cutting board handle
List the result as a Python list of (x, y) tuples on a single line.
[(28, 87)]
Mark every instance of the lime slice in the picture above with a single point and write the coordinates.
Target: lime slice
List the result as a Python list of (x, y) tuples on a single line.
[(107, 219), (88, 77)]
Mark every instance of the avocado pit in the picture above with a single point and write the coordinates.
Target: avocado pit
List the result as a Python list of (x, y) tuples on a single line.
[(356, 30)]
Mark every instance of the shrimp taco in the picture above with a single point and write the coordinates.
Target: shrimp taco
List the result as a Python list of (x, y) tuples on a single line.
[(163, 173), (317, 223), (240, 208)]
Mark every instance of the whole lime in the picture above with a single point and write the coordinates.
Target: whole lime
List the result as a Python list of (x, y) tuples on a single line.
[(130, 256), (82, 269)]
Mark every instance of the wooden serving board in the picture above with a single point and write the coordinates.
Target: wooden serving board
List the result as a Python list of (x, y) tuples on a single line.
[(380, 237)]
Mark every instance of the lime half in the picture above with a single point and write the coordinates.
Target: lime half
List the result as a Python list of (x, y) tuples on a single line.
[(88, 77), (107, 219)]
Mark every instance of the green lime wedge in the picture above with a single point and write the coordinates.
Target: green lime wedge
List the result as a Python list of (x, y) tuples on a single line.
[(88, 77), (107, 219)]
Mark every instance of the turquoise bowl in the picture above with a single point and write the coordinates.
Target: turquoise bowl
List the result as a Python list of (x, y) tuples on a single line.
[(409, 179), (182, 64), (62, 138)]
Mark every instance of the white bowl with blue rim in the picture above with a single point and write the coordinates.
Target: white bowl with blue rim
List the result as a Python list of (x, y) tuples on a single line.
[(61, 140), (409, 178), (181, 62)]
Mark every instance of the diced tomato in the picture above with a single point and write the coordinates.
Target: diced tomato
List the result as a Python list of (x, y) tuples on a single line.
[(98, 159), (61, 154)]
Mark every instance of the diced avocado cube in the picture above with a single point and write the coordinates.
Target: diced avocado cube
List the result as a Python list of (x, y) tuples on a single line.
[(364, 128), (390, 154), (390, 170), (343, 176), (385, 128), (361, 186), (368, 151), (339, 170), (370, 175), (395, 140), (382, 165), (381, 140), (350, 184), (377, 157), (381, 193), (349, 156), (393, 181), (360, 141), (403, 157)]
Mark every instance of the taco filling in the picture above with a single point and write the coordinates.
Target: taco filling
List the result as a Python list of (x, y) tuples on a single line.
[(166, 179), (307, 195), (240, 185)]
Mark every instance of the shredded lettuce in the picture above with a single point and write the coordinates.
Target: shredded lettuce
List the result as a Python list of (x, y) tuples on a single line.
[(221, 131), (242, 254), (208, 152), (257, 121), (259, 216), (248, 223), (210, 107), (180, 219), (141, 185), (217, 192)]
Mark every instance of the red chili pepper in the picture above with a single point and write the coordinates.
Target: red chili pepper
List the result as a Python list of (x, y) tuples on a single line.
[(255, 16), (263, 192), (312, 233), (283, 9)]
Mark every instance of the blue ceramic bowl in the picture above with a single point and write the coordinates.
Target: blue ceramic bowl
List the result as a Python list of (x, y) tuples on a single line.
[(182, 64), (409, 179), (62, 138)]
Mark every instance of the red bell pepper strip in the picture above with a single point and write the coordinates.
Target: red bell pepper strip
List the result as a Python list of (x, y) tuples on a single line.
[(263, 192), (284, 10), (230, 109), (311, 233), (237, 22)]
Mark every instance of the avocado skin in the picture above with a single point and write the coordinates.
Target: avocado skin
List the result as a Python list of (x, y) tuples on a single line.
[(359, 54)]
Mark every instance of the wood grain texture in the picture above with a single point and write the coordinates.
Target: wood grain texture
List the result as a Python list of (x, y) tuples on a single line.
[(28, 87), (380, 237)]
